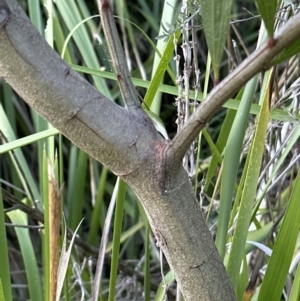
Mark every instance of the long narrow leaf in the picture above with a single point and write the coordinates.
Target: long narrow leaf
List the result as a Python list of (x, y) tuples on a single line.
[(63, 261), (4, 261), (275, 114), (35, 14), (267, 10), (118, 221), (104, 239), (230, 163), (19, 160), (32, 272), (295, 291), (287, 53), (160, 71), (27, 140), (249, 191), (216, 16), (71, 16), (283, 250), (167, 17)]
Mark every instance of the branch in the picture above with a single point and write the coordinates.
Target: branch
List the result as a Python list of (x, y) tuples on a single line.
[(64, 98), (258, 61), (117, 55), (123, 140)]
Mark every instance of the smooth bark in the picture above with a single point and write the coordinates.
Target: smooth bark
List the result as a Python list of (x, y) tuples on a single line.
[(127, 143)]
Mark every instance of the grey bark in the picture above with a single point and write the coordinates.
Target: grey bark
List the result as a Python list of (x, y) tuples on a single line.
[(128, 144)]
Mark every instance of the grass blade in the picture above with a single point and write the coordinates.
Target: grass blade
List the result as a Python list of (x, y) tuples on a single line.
[(118, 221), (167, 17), (19, 160), (293, 49), (64, 260), (32, 273), (160, 70), (231, 162), (4, 261), (267, 10), (104, 239), (27, 140), (271, 288), (295, 291), (249, 190), (98, 209), (71, 16), (77, 175), (215, 16)]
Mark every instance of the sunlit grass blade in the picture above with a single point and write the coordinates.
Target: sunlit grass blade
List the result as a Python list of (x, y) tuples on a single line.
[(212, 146), (258, 235), (166, 17), (160, 70), (71, 33), (59, 38), (35, 14), (230, 163), (104, 239), (276, 114), (215, 16), (4, 260), (267, 10), (295, 291), (49, 27), (127, 234), (78, 161), (283, 250), (18, 217), (292, 139), (2, 298), (64, 260), (249, 190), (118, 221), (168, 279), (97, 213), (220, 144), (293, 49), (7, 103), (148, 28), (243, 279), (27, 140), (19, 161), (71, 16)]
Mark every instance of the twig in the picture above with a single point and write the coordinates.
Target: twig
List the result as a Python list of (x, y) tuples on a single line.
[(255, 63), (117, 55)]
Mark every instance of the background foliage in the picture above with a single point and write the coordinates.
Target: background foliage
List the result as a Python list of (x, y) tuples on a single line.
[(243, 166)]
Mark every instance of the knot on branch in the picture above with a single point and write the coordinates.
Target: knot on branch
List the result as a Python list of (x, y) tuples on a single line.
[(160, 148)]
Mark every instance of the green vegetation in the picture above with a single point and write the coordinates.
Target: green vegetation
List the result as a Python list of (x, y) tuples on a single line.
[(243, 165)]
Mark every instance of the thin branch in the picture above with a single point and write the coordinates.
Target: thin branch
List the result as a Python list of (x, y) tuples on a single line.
[(117, 55), (258, 61)]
